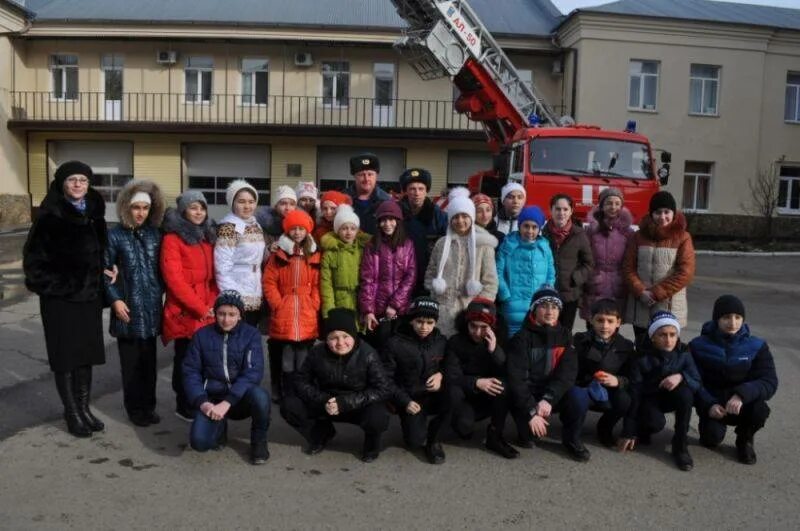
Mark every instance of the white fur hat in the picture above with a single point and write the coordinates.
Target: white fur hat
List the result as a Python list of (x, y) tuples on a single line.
[(284, 192), (345, 214), (511, 186), (458, 202), (235, 187)]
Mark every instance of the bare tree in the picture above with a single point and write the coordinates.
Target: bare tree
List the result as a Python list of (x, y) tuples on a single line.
[(764, 196)]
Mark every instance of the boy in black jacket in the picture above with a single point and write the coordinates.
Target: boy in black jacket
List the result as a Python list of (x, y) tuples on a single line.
[(664, 378), (415, 368), (604, 359), (738, 378), (542, 367), (475, 372)]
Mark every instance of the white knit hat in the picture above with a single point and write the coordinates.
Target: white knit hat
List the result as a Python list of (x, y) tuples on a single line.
[(306, 189), (511, 186), (141, 197), (234, 187), (458, 202), (345, 214), (661, 319), (284, 192)]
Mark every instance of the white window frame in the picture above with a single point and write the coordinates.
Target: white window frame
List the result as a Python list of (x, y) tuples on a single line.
[(63, 68), (696, 177), (199, 71), (792, 182), (252, 102), (641, 77), (333, 75), (704, 83), (795, 87)]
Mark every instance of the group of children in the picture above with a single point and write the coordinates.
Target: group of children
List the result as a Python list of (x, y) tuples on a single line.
[(447, 358)]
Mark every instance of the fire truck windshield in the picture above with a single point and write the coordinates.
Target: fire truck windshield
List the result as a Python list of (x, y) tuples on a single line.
[(601, 157)]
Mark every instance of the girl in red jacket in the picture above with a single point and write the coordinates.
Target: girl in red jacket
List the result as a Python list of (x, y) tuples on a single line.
[(291, 287), (187, 266)]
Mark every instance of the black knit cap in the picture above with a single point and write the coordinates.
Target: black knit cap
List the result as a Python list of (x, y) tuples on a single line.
[(364, 161), (423, 307), (663, 199), (546, 294), (342, 319), (415, 175), (728, 304), (230, 297), (72, 167)]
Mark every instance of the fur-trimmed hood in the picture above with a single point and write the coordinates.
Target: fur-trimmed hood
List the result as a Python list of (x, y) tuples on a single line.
[(671, 231), (157, 206), (57, 204), (484, 238), (597, 221), (286, 244), (188, 231)]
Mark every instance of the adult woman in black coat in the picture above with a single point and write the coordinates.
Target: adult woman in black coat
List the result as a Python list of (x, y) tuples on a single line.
[(63, 263)]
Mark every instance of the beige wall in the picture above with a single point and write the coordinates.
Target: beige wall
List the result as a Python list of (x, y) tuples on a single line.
[(747, 133)]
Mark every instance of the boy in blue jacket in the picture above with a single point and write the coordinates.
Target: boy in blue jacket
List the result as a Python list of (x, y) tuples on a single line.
[(222, 375), (664, 378), (738, 378)]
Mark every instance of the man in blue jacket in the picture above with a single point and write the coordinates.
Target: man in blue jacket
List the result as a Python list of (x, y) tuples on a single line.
[(738, 378), (222, 375)]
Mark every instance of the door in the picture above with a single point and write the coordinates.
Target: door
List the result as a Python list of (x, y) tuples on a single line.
[(112, 86), (111, 163), (383, 109)]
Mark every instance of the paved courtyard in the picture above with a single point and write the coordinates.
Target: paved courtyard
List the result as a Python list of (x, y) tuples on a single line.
[(132, 477)]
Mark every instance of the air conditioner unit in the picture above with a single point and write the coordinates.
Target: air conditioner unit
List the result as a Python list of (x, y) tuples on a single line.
[(303, 59), (558, 68), (166, 57)]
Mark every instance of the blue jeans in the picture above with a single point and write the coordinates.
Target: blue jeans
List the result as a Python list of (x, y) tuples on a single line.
[(617, 406), (205, 433)]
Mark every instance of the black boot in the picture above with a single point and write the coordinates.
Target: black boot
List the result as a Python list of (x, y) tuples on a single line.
[(577, 451), (435, 453), (372, 447), (259, 452), (605, 432), (744, 449), (75, 424), (680, 452), (496, 443), (82, 385), (321, 434)]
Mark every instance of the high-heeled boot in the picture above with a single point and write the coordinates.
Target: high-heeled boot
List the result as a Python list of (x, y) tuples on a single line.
[(75, 424), (82, 383)]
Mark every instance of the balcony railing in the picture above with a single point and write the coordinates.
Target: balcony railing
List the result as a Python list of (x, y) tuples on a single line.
[(233, 109)]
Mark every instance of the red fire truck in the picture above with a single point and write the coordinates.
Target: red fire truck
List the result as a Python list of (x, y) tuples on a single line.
[(533, 146)]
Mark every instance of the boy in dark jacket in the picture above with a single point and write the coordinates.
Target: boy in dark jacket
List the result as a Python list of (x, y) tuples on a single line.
[(341, 380), (604, 359), (222, 374), (475, 372), (664, 378), (738, 378), (542, 367), (415, 368)]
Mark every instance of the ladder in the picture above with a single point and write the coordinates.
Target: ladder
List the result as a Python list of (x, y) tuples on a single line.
[(445, 35)]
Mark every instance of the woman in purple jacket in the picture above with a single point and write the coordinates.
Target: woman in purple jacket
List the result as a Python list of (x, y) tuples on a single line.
[(608, 232), (388, 273)]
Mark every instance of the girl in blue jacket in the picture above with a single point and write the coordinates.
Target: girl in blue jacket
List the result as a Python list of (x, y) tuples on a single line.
[(524, 264), (222, 375), (738, 378)]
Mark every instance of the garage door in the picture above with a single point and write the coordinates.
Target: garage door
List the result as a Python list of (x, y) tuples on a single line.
[(211, 167), (462, 164), (111, 162), (333, 166)]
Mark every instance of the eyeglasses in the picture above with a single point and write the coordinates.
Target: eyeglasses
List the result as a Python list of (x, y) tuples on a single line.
[(77, 180)]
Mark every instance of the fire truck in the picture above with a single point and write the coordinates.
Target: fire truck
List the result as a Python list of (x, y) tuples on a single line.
[(547, 154)]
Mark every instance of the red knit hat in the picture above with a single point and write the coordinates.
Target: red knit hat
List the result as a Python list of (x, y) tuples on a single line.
[(298, 218), (483, 310), (480, 199), (335, 197)]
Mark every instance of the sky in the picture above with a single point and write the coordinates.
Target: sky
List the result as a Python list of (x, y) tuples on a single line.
[(568, 5)]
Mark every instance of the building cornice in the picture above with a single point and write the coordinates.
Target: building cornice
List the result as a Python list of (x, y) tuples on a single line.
[(12, 18)]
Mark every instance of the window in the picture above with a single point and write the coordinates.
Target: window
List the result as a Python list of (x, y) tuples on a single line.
[(643, 85), (112, 65), (335, 83), (255, 81), (696, 185), (703, 89), (789, 190), (791, 112), (64, 72), (198, 79)]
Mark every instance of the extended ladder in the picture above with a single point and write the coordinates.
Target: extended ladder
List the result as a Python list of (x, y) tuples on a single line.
[(443, 35)]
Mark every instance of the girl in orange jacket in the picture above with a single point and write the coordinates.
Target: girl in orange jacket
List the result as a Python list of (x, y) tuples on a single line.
[(291, 287)]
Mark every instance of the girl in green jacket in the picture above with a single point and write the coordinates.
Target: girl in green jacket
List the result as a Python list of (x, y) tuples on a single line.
[(341, 261)]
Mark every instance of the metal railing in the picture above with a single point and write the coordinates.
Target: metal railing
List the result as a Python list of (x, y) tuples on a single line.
[(233, 109)]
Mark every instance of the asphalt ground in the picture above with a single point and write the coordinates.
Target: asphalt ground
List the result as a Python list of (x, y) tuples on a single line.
[(129, 477)]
